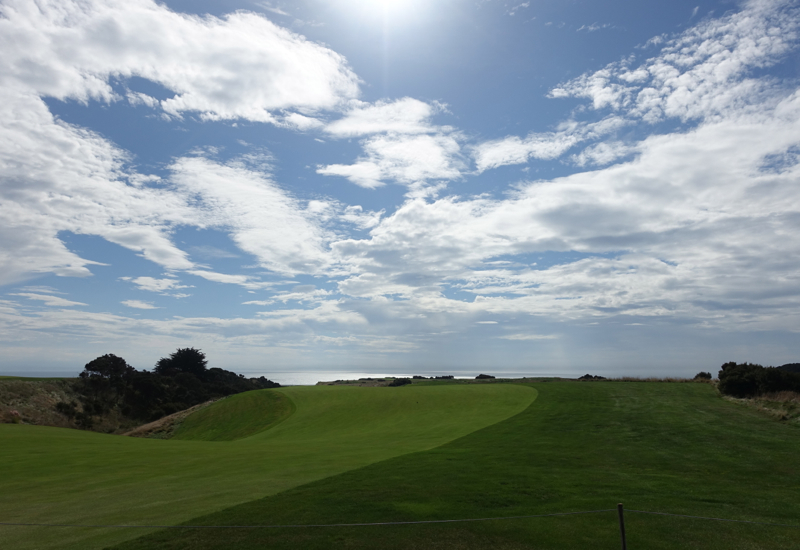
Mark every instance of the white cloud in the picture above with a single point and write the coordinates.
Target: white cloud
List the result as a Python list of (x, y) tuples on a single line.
[(138, 304), (238, 66), (408, 148), (301, 122), (402, 116), (242, 280), (49, 300), (410, 160), (301, 293), (57, 177), (698, 226), (529, 337), (603, 153), (545, 146), (513, 11), (594, 27), (152, 284), (513, 150), (365, 173), (703, 72), (262, 219)]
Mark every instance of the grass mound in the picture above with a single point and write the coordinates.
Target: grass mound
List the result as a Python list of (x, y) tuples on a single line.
[(676, 448), (236, 417), (52, 475)]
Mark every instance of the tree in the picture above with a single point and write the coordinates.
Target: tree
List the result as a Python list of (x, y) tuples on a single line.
[(109, 367), (188, 360), (739, 380), (702, 376), (749, 380), (103, 381)]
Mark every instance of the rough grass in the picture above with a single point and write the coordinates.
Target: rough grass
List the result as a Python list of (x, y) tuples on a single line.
[(676, 448), (52, 475), (236, 417), (784, 405)]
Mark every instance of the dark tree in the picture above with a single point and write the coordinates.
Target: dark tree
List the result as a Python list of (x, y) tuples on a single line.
[(702, 376), (103, 382), (749, 380), (108, 367), (739, 380), (177, 383), (188, 360), (484, 377)]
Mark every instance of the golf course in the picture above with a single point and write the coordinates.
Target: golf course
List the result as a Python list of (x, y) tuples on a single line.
[(308, 457)]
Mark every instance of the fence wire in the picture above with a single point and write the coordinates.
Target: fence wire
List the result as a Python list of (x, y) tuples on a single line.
[(385, 523)]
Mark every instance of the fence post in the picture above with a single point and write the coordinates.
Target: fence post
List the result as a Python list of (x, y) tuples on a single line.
[(622, 526)]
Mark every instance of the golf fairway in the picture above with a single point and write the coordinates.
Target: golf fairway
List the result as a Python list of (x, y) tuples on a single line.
[(60, 476)]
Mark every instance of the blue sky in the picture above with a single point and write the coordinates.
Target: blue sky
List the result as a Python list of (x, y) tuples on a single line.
[(400, 186)]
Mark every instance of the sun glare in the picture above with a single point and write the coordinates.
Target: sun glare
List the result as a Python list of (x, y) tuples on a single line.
[(393, 8)]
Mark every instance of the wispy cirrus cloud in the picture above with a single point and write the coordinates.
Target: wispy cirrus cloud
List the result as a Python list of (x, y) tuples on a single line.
[(49, 299), (138, 304), (700, 74)]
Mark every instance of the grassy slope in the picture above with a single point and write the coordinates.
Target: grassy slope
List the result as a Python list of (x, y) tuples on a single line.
[(580, 446), (52, 475), (236, 417)]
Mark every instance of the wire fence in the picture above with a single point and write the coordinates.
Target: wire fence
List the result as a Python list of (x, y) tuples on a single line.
[(386, 523)]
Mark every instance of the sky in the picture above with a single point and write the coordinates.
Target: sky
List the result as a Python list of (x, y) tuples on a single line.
[(401, 186)]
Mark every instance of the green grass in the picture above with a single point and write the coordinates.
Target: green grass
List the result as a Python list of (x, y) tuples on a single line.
[(580, 446), (236, 417), (51, 475)]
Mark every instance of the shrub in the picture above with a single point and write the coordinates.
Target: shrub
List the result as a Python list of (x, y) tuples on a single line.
[(400, 382), (484, 377), (749, 380), (67, 409), (702, 376)]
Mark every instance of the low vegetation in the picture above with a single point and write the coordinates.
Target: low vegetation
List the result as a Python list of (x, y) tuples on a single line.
[(32, 401), (750, 380)]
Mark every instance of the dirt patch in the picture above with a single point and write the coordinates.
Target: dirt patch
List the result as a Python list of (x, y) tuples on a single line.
[(164, 428)]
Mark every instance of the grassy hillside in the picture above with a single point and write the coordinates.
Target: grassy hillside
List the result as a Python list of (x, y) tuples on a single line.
[(52, 475), (236, 417), (580, 446)]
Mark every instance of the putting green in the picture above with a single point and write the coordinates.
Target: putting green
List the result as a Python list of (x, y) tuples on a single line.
[(52, 475)]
